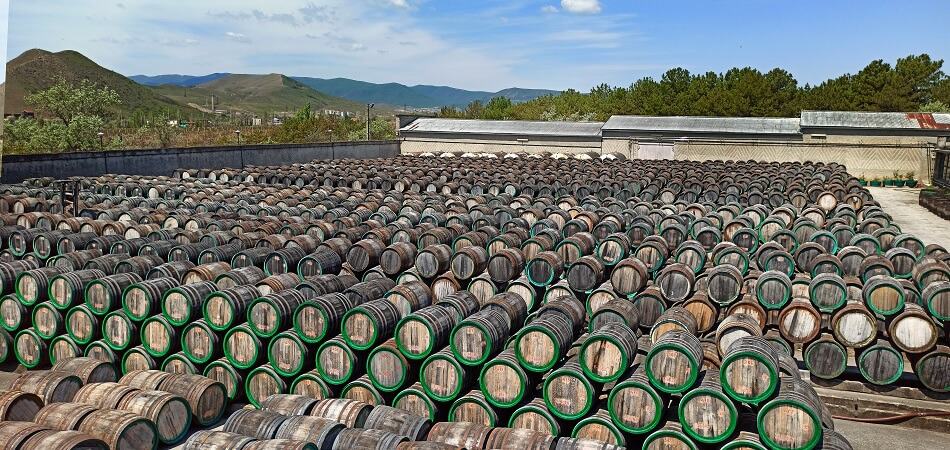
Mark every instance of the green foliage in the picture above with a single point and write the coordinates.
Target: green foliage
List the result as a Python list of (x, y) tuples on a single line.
[(935, 106), (912, 84), (66, 101)]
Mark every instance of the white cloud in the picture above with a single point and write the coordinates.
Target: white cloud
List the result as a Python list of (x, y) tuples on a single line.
[(238, 37), (549, 9), (399, 3), (581, 6)]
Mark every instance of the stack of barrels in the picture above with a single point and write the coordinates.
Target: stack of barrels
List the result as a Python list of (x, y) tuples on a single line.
[(465, 291), (78, 403)]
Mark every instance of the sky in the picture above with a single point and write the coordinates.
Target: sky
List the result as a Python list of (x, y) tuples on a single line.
[(482, 44)]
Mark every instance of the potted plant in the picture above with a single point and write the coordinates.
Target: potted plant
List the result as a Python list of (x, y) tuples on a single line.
[(910, 180), (876, 182), (862, 181), (892, 180)]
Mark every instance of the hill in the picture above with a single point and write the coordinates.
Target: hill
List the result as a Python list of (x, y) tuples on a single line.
[(177, 80), (260, 94), (35, 70)]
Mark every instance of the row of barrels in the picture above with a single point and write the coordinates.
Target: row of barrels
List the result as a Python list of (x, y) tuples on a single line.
[(140, 410)]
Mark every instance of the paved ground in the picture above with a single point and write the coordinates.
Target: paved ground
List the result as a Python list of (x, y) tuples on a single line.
[(866, 436), (902, 205)]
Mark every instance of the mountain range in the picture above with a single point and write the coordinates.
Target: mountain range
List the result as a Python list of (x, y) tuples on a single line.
[(395, 94)]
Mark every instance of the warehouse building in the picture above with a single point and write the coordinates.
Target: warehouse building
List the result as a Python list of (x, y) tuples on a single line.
[(872, 145), (431, 135)]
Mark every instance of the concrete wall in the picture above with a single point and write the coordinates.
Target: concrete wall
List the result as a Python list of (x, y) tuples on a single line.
[(16, 168), (501, 144)]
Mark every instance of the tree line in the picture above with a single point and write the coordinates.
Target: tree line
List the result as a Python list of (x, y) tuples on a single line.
[(914, 83)]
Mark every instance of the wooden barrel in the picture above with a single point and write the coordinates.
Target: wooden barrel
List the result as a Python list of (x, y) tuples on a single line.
[(791, 420), (366, 291), (337, 362), (608, 351), (256, 423), (48, 321), (799, 322), (365, 254), (205, 272), (239, 276), (273, 312), (398, 422), (262, 382), (17, 405), (773, 289), (933, 369), (14, 432), (856, 327), (749, 370), (544, 341), (369, 439), (322, 262), (545, 268), (319, 317), (9, 271), (139, 265), (175, 270), (883, 295), (351, 413), (881, 363), (634, 405), (288, 354), (414, 400), (288, 404), (506, 265), (105, 294), (734, 327), (567, 391), (118, 331), (32, 286), (66, 289), (317, 430), (144, 299), (480, 336), (675, 318), (913, 330), (103, 395), (420, 333), (200, 343), (30, 349), (586, 273), (208, 398), (410, 297), (242, 347), (629, 277), (71, 439), (825, 358), (178, 363), (442, 377), (650, 306), (362, 389), (473, 407), (63, 415), (674, 361), (159, 337), (503, 380), (222, 371), (433, 260), (51, 385), (536, 417), (669, 437), (723, 284), (936, 296), (319, 285), (469, 262), (387, 368), (368, 324), (426, 445), (616, 310), (223, 309), (460, 434), (676, 282), (146, 380), (13, 315), (182, 304), (170, 413), (598, 427), (397, 258), (518, 438), (216, 440)]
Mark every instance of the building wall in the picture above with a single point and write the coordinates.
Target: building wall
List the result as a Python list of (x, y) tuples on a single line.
[(16, 168), (415, 145), (868, 160)]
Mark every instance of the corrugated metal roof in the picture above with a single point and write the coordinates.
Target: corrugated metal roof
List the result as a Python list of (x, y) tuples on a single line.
[(688, 124), (505, 127), (878, 120)]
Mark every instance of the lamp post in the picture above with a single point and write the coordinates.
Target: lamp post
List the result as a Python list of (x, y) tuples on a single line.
[(101, 142), (238, 133), (369, 106), (330, 134)]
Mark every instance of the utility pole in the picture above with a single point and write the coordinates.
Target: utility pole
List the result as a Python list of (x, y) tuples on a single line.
[(369, 106)]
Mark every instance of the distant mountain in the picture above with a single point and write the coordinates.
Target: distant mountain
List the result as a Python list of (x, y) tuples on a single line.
[(177, 80), (258, 94), (35, 70), (395, 94)]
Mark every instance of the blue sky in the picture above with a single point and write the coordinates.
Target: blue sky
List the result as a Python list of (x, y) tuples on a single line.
[(482, 44)]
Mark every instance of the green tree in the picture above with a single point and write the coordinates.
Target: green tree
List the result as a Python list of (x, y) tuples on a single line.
[(66, 101)]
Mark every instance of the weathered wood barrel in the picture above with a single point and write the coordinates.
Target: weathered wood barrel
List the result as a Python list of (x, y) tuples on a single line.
[(32, 286), (205, 272), (105, 294), (351, 413), (146, 380), (936, 296), (723, 284), (480, 336), (136, 358), (66, 289), (17, 405), (319, 317), (218, 440), (256, 423), (277, 283), (515, 438), (178, 363), (567, 391), (317, 430), (791, 420), (599, 428), (825, 357), (608, 352), (398, 422), (799, 322), (120, 429), (63, 415), (362, 389), (369, 439), (473, 407), (545, 268), (881, 363), (52, 386), (410, 297), (144, 299), (749, 371), (933, 369), (420, 333), (322, 262), (200, 343), (536, 417), (669, 437), (616, 310), (433, 260), (913, 330), (269, 314), (504, 382), (387, 368), (170, 413), (674, 361), (675, 318), (14, 432), (397, 258), (103, 395), (223, 309), (175, 270), (222, 371), (13, 315), (634, 405), (159, 337), (48, 321), (442, 377), (208, 398), (414, 400), (369, 324), (460, 434), (262, 382), (239, 276), (71, 439)]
